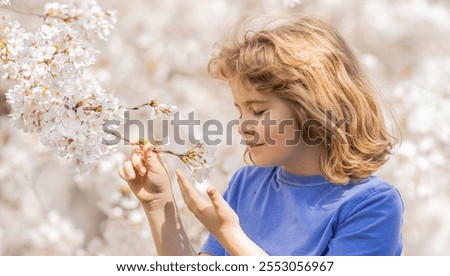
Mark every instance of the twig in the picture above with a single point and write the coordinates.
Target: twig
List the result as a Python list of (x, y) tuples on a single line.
[(151, 103), (181, 156), (22, 12), (141, 143)]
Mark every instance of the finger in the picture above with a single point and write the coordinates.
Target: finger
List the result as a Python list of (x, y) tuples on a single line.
[(134, 141), (186, 186), (129, 170), (149, 154), (152, 159), (190, 194), (217, 199), (138, 162), (122, 174), (158, 156)]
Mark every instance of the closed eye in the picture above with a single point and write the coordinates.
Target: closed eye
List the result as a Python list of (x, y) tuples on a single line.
[(258, 113)]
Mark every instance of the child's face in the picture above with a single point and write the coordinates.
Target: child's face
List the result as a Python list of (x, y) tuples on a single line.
[(270, 130)]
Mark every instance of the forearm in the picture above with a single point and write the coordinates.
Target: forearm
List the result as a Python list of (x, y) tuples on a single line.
[(168, 233), (237, 243)]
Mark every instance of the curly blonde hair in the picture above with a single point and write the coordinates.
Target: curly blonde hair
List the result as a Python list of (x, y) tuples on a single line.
[(308, 65)]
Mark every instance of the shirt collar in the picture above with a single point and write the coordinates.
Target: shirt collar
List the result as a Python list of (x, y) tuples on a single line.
[(285, 177)]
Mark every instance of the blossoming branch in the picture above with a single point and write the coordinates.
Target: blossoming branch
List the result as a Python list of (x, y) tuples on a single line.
[(55, 97)]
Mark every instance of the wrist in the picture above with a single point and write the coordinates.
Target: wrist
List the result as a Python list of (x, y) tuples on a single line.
[(237, 243), (230, 236), (157, 204)]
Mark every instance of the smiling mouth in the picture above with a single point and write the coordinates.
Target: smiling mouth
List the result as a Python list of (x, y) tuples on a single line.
[(254, 146)]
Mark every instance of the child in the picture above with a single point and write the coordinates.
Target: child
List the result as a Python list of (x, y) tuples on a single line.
[(311, 189)]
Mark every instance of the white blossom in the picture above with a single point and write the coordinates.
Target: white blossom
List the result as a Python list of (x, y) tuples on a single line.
[(163, 109), (86, 16), (200, 161), (160, 109)]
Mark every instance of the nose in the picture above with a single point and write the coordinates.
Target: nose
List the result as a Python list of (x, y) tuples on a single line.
[(247, 127)]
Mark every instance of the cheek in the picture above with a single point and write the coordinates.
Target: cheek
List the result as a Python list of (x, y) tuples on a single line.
[(259, 134), (284, 134)]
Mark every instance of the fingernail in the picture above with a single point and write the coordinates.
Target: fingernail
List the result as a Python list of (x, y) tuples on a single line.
[(211, 190), (143, 170)]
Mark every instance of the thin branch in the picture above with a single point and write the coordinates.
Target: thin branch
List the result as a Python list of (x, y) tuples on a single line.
[(151, 103), (141, 143), (136, 107), (22, 12)]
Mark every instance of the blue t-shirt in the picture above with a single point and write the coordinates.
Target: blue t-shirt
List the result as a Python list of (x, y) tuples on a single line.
[(287, 214)]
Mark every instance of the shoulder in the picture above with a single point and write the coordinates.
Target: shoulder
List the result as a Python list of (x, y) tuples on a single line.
[(372, 212), (371, 193), (369, 186)]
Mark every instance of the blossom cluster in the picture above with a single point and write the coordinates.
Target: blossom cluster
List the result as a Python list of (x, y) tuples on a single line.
[(199, 160), (54, 95)]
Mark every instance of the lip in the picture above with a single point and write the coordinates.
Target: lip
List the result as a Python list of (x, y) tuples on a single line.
[(254, 145)]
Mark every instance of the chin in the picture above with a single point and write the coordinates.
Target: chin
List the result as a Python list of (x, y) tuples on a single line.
[(263, 162)]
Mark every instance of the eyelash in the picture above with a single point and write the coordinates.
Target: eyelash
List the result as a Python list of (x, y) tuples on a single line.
[(256, 114)]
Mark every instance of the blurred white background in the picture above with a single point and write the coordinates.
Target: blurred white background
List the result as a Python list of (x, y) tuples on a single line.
[(160, 49)]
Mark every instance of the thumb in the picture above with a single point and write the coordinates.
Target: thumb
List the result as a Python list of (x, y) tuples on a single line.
[(151, 158), (217, 199)]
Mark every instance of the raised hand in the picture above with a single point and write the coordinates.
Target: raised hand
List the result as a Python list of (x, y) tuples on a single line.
[(216, 215), (147, 176)]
